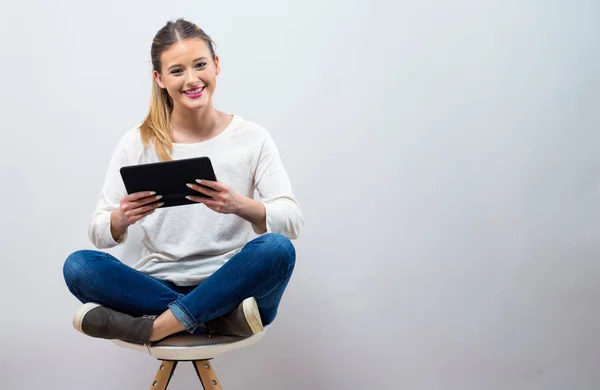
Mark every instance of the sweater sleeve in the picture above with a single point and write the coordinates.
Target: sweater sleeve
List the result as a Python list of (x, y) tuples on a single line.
[(271, 180), (109, 199)]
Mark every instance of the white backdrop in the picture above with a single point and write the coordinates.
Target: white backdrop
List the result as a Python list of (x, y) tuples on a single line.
[(444, 154)]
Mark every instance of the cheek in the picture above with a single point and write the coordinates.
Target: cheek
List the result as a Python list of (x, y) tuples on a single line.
[(211, 81), (173, 86)]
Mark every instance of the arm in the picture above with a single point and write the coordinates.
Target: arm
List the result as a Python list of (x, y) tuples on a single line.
[(252, 211), (104, 227), (277, 211), (282, 211), (117, 227)]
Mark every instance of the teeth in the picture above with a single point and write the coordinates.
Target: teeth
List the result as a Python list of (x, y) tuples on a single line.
[(193, 91)]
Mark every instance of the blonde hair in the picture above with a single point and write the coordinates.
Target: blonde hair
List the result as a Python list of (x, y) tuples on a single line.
[(156, 128)]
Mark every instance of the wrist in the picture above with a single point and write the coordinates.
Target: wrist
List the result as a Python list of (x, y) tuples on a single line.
[(240, 203), (118, 221), (252, 211)]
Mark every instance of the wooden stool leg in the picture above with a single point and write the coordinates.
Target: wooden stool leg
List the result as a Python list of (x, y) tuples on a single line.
[(207, 375), (163, 376)]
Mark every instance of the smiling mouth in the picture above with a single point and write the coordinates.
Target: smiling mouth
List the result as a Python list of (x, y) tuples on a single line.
[(194, 91)]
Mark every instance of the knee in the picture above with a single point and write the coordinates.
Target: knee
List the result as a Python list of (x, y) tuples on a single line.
[(74, 268), (282, 249)]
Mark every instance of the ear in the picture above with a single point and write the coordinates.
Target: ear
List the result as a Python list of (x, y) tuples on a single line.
[(218, 64), (158, 79)]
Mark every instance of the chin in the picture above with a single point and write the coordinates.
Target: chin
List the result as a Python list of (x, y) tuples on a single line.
[(197, 106), (194, 105)]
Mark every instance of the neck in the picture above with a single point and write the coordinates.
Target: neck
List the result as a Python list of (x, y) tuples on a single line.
[(193, 125)]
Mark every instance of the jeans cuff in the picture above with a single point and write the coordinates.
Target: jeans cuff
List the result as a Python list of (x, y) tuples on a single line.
[(183, 315)]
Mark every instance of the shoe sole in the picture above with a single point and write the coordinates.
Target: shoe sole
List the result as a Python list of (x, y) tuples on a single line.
[(80, 314), (252, 315)]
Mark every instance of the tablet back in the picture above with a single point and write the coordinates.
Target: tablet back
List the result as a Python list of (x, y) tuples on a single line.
[(168, 178)]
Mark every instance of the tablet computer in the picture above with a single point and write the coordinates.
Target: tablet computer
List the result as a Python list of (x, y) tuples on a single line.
[(169, 179)]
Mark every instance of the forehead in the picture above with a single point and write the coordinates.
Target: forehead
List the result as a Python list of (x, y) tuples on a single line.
[(185, 51)]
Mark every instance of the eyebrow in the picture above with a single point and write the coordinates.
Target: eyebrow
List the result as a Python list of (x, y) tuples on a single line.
[(197, 59)]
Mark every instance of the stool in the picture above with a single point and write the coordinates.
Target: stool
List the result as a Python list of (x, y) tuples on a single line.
[(196, 348)]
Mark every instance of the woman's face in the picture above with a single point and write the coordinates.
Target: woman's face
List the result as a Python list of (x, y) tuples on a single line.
[(189, 74)]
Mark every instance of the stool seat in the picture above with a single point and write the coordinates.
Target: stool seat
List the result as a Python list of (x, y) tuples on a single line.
[(196, 348), (183, 346)]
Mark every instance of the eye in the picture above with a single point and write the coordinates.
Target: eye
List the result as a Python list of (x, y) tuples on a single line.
[(200, 65), (176, 71)]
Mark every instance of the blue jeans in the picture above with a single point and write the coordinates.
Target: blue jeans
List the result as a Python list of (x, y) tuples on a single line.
[(262, 269)]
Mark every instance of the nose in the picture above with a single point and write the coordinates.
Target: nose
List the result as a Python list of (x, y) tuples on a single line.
[(191, 79)]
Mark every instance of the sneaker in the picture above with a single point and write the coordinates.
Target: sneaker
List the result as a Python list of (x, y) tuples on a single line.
[(244, 320), (95, 320)]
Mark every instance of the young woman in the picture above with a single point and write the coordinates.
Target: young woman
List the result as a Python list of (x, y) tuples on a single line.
[(200, 269)]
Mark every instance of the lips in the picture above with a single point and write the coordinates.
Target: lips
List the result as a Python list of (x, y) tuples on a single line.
[(194, 91)]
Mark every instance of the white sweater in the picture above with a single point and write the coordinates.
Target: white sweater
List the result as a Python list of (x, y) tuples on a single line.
[(186, 244)]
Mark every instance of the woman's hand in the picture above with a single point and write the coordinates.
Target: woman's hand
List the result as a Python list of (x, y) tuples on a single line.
[(226, 201), (133, 207), (222, 198), (136, 206)]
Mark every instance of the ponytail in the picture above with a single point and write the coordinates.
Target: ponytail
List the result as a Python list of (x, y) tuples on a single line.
[(156, 127)]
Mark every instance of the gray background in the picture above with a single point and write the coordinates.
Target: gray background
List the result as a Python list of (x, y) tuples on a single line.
[(445, 155)]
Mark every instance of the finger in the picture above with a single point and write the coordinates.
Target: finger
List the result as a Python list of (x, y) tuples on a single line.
[(139, 195), (135, 213), (194, 198), (141, 202), (210, 203), (138, 217), (145, 209), (148, 200), (203, 190), (198, 199), (212, 184), (214, 205)]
